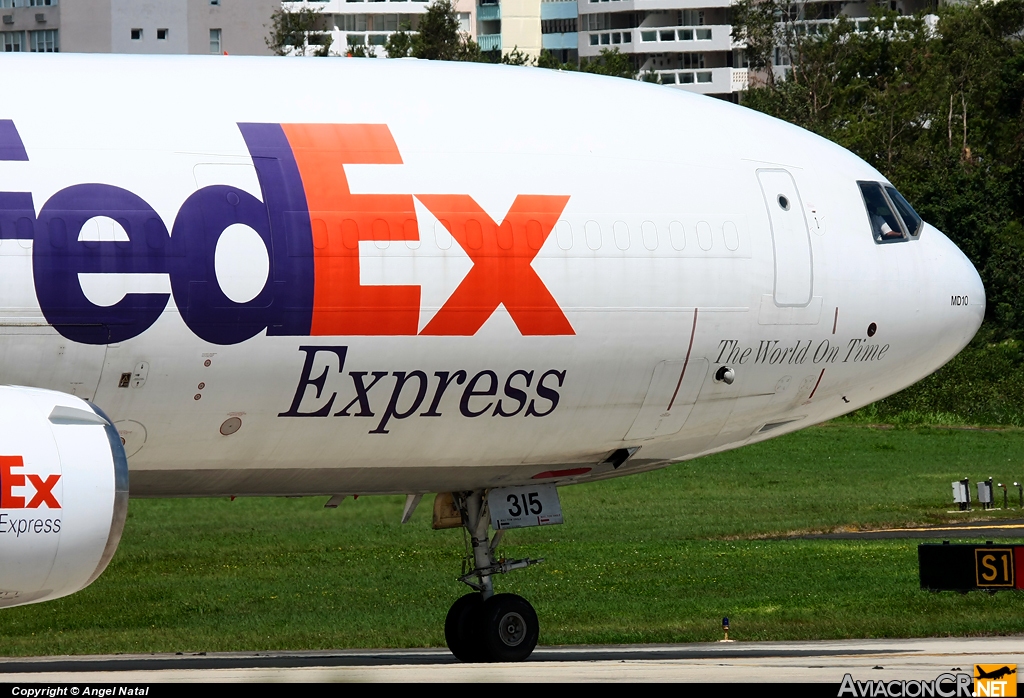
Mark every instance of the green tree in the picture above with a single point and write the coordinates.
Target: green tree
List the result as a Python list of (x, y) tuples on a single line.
[(361, 51), (439, 37), (939, 110), (399, 43), (516, 57), (610, 62), (651, 75), (546, 59), (755, 24), (300, 31)]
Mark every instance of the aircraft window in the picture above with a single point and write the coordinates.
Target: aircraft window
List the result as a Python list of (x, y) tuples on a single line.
[(156, 234), (911, 220), (885, 224), (704, 238), (534, 236), (25, 229), (442, 236), (563, 234), (319, 234), (677, 235), (593, 232), (621, 233), (731, 235), (504, 234), (649, 232), (58, 233), (412, 234), (350, 234), (381, 234), (474, 234)]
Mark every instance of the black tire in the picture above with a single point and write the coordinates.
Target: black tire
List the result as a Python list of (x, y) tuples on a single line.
[(460, 628), (508, 628)]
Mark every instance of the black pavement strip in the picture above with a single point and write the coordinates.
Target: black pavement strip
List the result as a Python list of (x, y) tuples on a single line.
[(356, 659)]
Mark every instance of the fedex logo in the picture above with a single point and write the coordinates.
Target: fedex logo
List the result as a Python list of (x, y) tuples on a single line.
[(311, 225), (11, 480)]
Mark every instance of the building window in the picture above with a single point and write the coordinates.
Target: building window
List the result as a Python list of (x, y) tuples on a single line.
[(161, 35), (215, 41), (558, 26), (691, 18), (44, 41), (136, 35), (13, 42), (689, 61), (352, 23), (41, 3), (215, 2)]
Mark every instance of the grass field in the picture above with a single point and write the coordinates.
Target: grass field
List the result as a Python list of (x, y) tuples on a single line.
[(658, 557)]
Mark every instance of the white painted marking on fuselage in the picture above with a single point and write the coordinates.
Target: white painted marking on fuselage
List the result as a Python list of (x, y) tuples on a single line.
[(108, 289)]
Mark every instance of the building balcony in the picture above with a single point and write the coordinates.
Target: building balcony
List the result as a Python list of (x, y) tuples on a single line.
[(556, 42), (489, 42), (333, 7), (714, 37), (740, 79), (558, 10), (485, 13), (588, 6), (591, 43), (706, 81)]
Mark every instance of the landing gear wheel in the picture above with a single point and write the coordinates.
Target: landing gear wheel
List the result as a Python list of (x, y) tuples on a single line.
[(460, 628), (507, 627)]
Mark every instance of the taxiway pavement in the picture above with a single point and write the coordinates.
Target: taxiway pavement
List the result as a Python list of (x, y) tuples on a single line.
[(819, 661)]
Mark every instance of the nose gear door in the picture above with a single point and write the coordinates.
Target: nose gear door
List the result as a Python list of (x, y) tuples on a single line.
[(791, 240)]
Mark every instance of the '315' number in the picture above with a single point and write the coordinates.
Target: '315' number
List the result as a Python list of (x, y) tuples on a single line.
[(524, 504)]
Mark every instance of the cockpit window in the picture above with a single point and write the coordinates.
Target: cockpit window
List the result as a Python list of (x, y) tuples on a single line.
[(885, 224), (907, 213)]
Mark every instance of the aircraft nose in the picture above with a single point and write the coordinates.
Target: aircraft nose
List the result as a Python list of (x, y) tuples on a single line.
[(956, 300)]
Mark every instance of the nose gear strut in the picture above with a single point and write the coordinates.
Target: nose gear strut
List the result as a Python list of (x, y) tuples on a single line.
[(484, 626)]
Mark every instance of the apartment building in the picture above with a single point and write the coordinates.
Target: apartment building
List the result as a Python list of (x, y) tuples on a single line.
[(687, 44), (529, 26), (137, 26), (368, 23), (30, 25)]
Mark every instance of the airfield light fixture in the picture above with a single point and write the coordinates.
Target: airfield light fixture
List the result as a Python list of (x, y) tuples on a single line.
[(1020, 494), (999, 484)]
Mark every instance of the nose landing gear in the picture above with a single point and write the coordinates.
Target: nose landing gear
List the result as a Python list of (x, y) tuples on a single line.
[(483, 626)]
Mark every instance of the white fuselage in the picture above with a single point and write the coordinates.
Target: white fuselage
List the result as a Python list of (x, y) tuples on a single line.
[(525, 270)]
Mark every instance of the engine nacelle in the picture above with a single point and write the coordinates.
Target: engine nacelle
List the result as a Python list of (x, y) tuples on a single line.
[(63, 494)]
